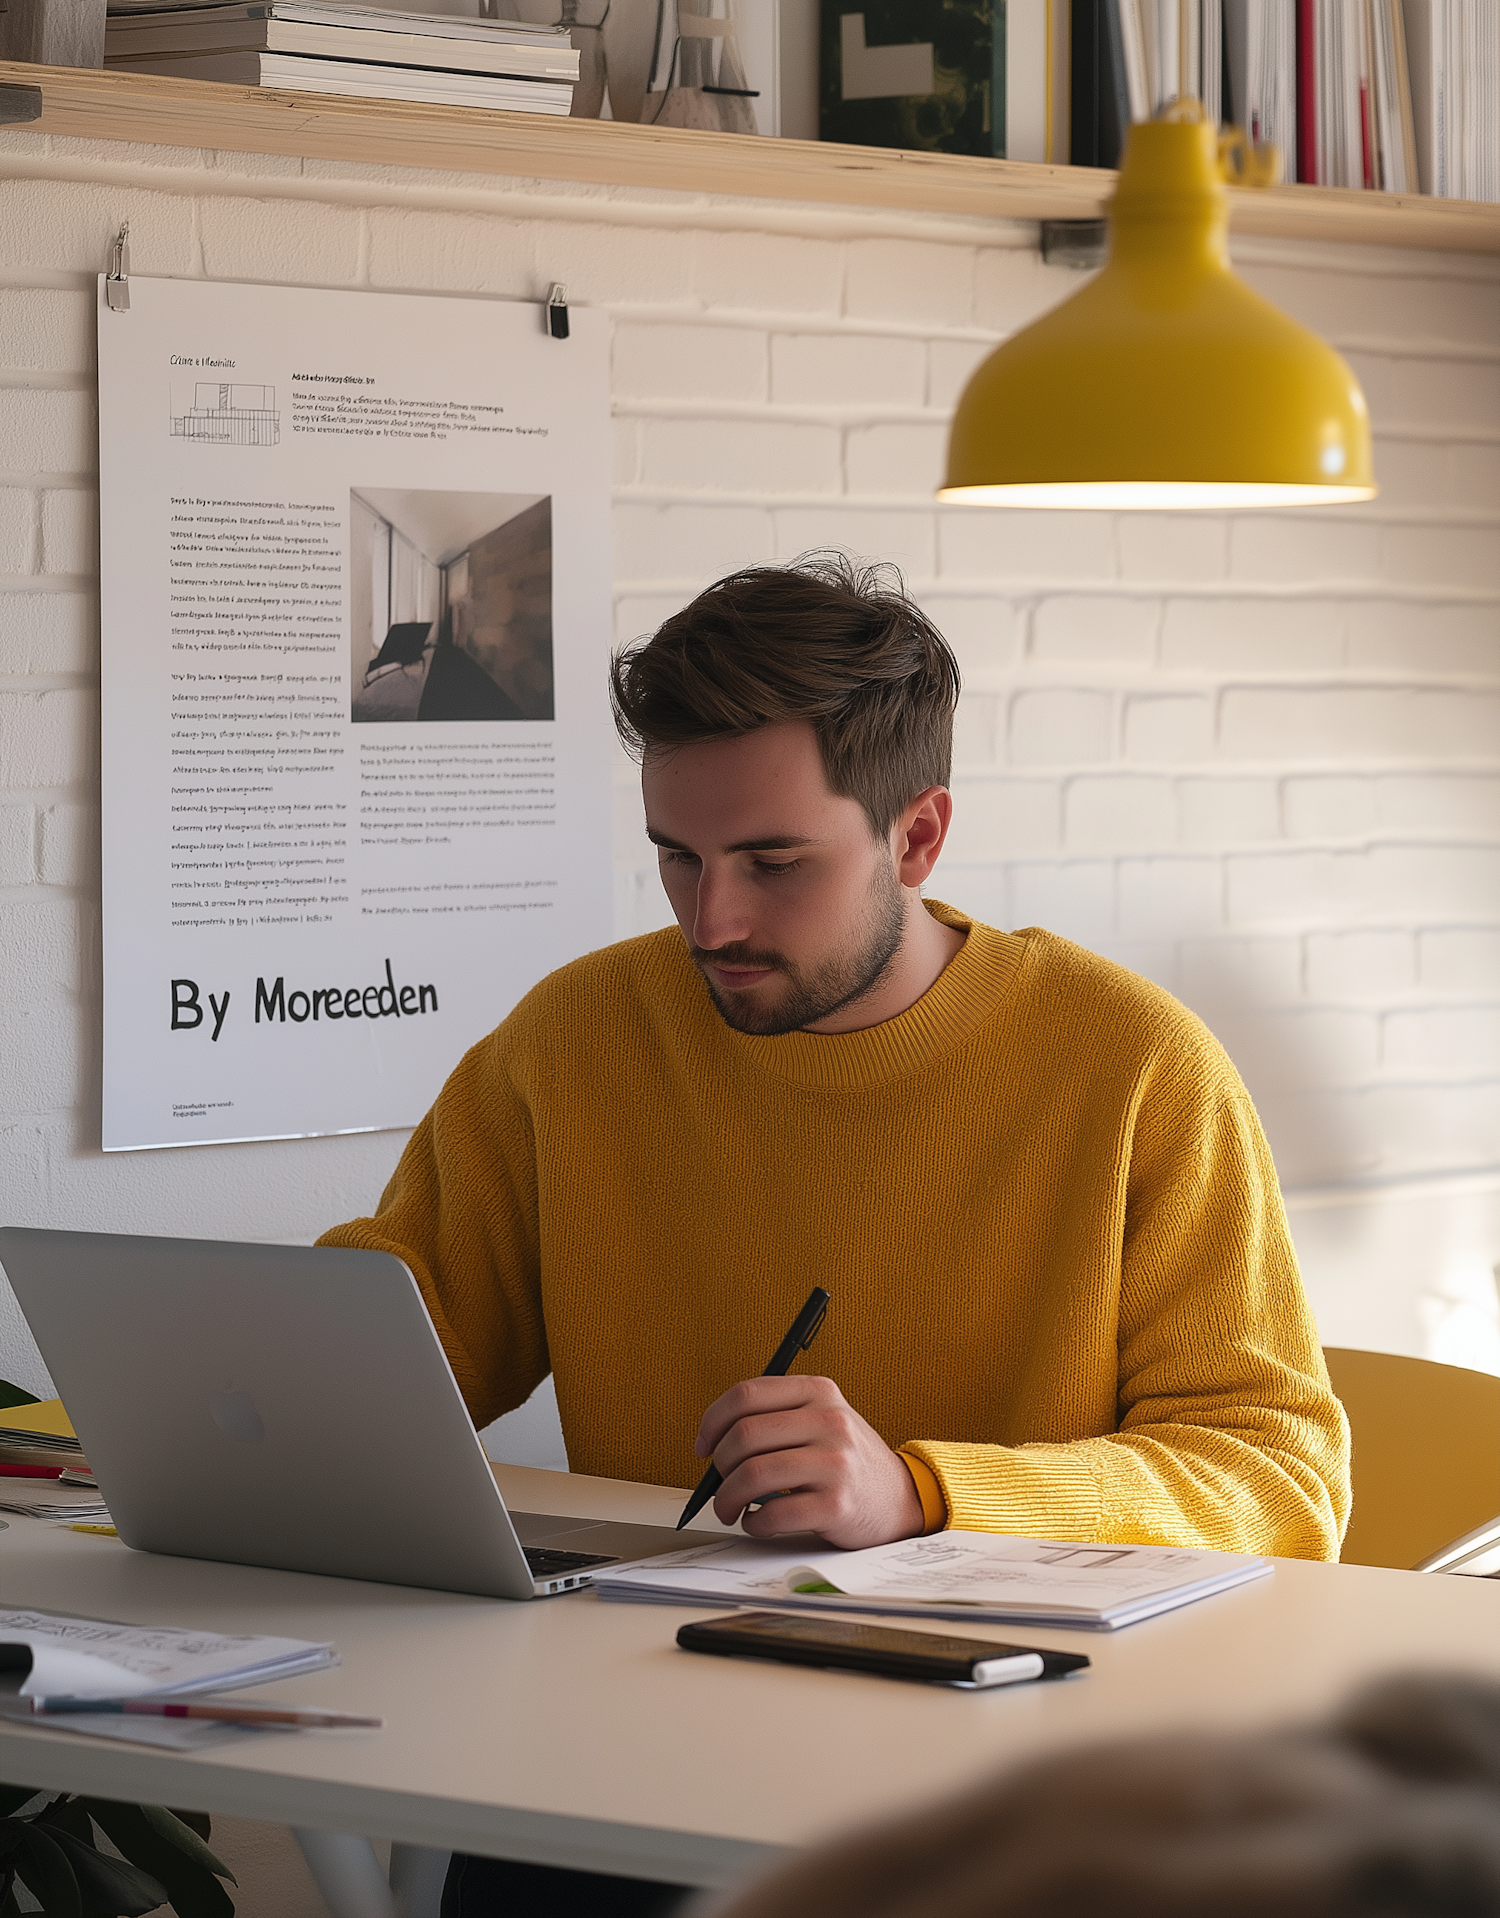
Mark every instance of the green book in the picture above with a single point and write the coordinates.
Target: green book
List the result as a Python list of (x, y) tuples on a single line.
[(927, 75)]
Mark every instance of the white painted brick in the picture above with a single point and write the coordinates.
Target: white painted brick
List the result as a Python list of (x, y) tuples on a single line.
[(1003, 819), (1073, 897), (984, 633), (1258, 634), (18, 530), (1443, 1042), (424, 249), (1106, 814), (1431, 880), (69, 845), (1416, 391), (1327, 1138), (1013, 287), (1441, 555), (48, 432), (906, 540), (1410, 636), (1102, 627), (1061, 728), (46, 739), (1227, 812), (302, 244), (1169, 730), (637, 615), (741, 456), (1153, 959), (1239, 972), (761, 272), (48, 633), (18, 866), (976, 729), (1292, 888), (1475, 475), (1422, 306), (1169, 895), (1459, 959), (688, 542), (42, 1045), (1414, 473), (62, 225), (981, 891), (1296, 1050), (1329, 808), (897, 460), (1356, 722), (45, 328), (625, 450), (1351, 965), (1446, 803), (977, 542), (689, 362), (846, 369), (1272, 549), (70, 532), (41, 939), (910, 280), (951, 364), (1175, 546)]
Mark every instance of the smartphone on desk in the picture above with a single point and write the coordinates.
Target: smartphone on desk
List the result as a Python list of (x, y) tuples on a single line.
[(841, 1644)]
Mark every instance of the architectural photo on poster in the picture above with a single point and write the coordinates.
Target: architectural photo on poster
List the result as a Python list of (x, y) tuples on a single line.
[(450, 605)]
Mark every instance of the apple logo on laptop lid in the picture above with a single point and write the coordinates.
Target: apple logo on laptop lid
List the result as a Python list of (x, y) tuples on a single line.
[(235, 1415)]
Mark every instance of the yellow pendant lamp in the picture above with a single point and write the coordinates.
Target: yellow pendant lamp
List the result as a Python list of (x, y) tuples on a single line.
[(1164, 383)]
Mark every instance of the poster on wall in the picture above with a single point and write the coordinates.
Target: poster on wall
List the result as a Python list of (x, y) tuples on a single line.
[(355, 581)]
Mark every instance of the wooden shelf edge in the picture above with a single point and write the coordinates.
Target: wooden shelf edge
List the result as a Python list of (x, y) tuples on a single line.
[(156, 110)]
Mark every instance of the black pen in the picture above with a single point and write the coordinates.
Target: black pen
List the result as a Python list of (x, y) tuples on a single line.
[(801, 1335)]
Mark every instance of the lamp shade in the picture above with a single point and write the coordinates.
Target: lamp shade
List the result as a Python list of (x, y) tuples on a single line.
[(1165, 382)]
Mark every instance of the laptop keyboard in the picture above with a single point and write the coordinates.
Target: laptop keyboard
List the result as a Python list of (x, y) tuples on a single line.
[(545, 1564)]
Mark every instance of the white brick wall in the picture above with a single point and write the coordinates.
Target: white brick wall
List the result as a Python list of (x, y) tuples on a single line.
[(1257, 757)]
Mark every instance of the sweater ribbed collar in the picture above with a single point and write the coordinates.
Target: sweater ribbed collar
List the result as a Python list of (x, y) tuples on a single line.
[(965, 993)]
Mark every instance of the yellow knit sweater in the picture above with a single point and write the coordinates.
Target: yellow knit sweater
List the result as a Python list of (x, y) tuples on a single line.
[(1040, 1198)]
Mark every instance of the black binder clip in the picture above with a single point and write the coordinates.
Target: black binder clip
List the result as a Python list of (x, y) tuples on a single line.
[(117, 280), (557, 311)]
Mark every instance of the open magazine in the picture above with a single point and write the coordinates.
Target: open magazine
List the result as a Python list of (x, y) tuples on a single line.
[(958, 1575)]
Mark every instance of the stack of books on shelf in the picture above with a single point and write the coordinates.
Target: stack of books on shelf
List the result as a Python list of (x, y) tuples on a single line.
[(1397, 95), (339, 46)]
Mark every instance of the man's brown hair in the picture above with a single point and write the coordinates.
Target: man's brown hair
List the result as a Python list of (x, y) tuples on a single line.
[(824, 640)]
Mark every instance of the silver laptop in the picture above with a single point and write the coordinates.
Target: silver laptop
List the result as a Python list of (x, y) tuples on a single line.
[(287, 1406)]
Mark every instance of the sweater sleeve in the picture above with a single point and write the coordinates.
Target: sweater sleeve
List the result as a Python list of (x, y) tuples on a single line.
[(1228, 1434), (461, 1210)]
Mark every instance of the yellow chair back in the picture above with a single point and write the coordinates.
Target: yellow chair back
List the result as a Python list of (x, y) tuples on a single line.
[(1426, 1453)]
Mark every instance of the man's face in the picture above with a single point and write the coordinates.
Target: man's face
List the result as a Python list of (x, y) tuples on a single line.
[(791, 909)]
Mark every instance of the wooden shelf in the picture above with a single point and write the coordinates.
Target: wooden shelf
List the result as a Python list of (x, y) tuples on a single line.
[(91, 104)]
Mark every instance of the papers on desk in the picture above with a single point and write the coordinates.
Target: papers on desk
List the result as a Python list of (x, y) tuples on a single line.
[(958, 1575), (50, 1498), (98, 1658)]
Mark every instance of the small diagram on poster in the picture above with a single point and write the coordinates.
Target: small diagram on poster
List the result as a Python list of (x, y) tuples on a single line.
[(356, 745)]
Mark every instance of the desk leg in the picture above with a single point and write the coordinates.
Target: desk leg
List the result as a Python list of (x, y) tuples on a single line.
[(347, 1873), (417, 1875)]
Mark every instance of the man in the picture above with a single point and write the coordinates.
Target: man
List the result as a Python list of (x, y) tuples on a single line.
[(1064, 1298)]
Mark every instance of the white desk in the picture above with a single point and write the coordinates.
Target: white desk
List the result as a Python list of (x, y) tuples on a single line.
[(568, 1731)]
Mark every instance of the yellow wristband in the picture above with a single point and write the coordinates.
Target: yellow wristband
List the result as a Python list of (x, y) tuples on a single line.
[(929, 1490)]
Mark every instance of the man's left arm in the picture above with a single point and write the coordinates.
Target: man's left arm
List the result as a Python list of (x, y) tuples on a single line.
[(1229, 1435)]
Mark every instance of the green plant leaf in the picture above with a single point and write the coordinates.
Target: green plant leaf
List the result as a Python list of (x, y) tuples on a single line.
[(13, 1797), (108, 1887), (12, 1831), (198, 1821), (13, 1395), (161, 1844), (177, 1831), (46, 1870)]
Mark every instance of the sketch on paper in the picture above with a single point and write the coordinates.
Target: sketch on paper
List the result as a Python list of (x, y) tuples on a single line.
[(226, 413), (450, 605)]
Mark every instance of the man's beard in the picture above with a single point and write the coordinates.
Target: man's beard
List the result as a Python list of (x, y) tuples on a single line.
[(813, 996)]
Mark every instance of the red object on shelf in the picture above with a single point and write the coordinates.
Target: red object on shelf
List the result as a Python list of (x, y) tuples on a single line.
[(1307, 92), (30, 1471)]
